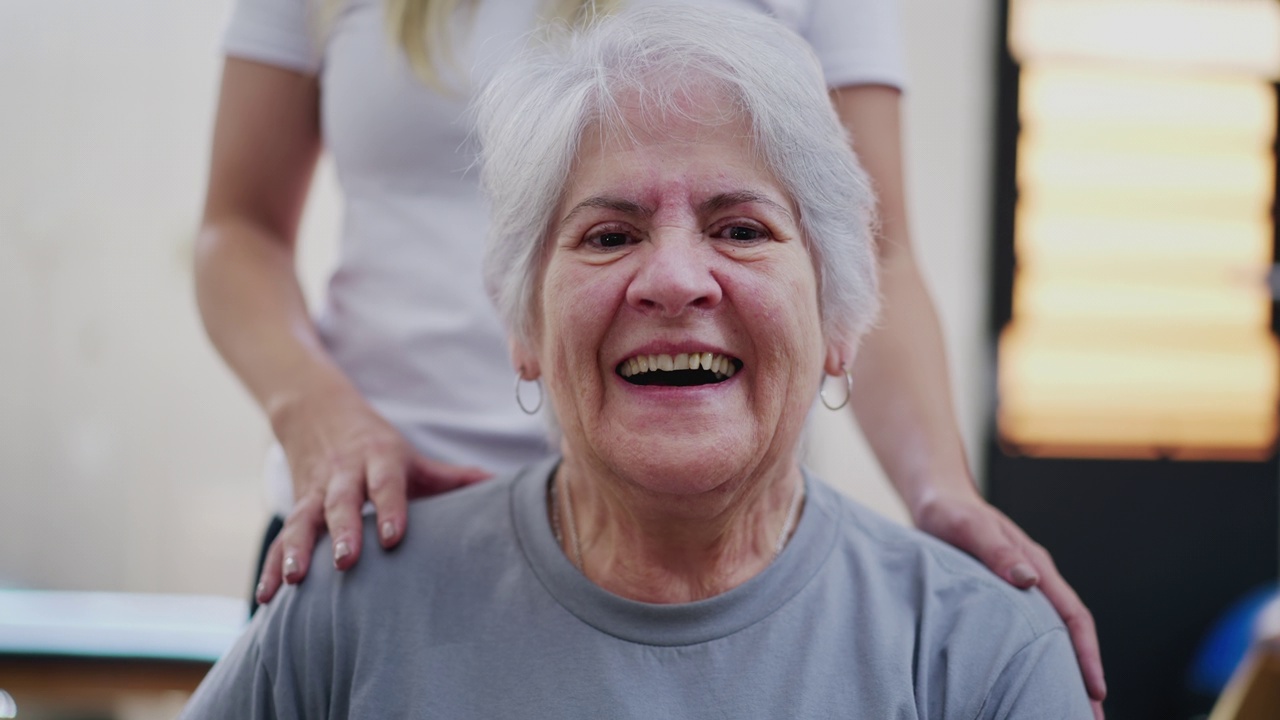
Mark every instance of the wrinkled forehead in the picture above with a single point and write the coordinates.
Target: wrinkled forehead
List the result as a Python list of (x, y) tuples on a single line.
[(662, 118), (668, 109)]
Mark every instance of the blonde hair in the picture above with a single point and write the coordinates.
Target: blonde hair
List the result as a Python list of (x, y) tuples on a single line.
[(421, 27)]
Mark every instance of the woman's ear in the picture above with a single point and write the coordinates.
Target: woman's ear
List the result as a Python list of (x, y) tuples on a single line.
[(837, 363), (524, 360)]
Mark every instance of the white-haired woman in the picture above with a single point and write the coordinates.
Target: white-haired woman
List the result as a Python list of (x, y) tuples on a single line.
[(669, 257), (391, 393)]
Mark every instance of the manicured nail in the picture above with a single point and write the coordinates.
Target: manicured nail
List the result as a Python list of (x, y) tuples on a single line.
[(340, 551), (260, 591), (1022, 574), (388, 530), (290, 566)]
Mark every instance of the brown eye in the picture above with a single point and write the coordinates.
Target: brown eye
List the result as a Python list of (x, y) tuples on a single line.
[(742, 233), (611, 236), (612, 240)]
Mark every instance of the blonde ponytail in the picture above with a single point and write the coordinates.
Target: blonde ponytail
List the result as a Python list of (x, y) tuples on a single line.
[(421, 28)]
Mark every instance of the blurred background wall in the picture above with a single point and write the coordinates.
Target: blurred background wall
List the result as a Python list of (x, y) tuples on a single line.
[(130, 458)]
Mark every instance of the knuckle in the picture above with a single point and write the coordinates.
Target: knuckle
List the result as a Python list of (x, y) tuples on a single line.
[(1078, 618), (1005, 556), (380, 483), (382, 445), (378, 442), (1084, 619), (1042, 556), (973, 525), (319, 472), (306, 510), (341, 499)]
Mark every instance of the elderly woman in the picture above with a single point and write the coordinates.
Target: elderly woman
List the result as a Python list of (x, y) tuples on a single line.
[(681, 248)]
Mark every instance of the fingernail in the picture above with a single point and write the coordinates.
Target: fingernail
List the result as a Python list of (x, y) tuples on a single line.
[(340, 551), (388, 530), (1022, 574), (260, 591), (290, 566)]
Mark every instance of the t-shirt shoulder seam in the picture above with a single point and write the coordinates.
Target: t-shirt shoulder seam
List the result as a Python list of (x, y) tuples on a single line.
[(996, 586), (1036, 638), (259, 659), (266, 671), (946, 556)]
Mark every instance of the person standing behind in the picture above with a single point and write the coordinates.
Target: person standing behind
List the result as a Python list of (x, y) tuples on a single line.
[(401, 386)]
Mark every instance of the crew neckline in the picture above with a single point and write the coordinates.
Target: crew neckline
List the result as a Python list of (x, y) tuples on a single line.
[(679, 623)]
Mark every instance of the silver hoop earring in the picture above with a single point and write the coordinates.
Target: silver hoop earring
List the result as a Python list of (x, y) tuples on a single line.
[(848, 391), (520, 401)]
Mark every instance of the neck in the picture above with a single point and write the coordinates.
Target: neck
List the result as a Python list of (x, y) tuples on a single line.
[(658, 549)]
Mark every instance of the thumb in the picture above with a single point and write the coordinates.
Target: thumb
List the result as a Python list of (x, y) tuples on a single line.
[(432, 477), (984, 534)]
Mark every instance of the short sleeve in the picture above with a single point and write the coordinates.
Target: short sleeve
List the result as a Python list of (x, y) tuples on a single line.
[(284, 33), (1040, 682), (858, 42)]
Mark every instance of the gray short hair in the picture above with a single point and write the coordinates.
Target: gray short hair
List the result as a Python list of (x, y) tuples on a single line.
[(532, 116)]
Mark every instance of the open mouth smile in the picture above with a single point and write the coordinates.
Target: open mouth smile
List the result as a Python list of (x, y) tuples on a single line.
[(680, 370)]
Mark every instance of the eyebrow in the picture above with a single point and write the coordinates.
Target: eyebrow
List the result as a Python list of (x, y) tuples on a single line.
[(605, 202), (740, 197), (713, 204)]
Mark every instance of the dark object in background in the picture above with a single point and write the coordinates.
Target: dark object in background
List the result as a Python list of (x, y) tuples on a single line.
[(1156, 549)]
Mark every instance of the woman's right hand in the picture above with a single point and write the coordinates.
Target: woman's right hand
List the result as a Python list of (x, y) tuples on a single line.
[(342, 453)]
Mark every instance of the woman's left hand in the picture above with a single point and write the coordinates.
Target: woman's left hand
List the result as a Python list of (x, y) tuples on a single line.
[(968, 522)]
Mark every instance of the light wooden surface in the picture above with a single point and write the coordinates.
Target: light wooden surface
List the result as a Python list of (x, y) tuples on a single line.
[(1254, 690), (110, 655)]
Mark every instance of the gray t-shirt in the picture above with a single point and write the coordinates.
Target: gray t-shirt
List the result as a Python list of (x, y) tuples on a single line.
[(479, 614)]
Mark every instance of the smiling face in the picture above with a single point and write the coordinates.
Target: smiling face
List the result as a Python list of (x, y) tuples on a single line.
[(679, 335)]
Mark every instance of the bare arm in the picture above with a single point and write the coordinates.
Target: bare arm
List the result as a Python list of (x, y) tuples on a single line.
[(902, 395), (265, 145), (340, 451), (913, 432)]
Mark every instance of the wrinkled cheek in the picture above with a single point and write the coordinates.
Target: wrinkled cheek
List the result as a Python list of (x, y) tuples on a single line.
[(791, 351), (569, 349)]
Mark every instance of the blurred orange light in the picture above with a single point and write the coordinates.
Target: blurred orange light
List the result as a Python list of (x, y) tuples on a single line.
[(1143, 233)]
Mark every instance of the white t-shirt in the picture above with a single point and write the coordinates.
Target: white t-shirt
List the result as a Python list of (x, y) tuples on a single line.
[(406, 316)]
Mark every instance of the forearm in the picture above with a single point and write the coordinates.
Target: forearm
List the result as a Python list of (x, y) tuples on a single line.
[(265, 145), (902, 393), (255, 314)]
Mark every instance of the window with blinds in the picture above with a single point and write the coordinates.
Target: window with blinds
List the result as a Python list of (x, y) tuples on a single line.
[(1144, 230)]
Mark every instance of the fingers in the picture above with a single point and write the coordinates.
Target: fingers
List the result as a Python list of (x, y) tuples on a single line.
[(1079, 622), (982, 531), (388, 489), (290, 555), (342, 503), (1000, 546), (432, 477), (271, 579)]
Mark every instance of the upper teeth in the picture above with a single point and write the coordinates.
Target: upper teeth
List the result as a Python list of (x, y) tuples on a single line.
[(719, 364)]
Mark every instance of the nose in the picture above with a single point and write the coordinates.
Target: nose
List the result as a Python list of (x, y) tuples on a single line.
[(675, 274)]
